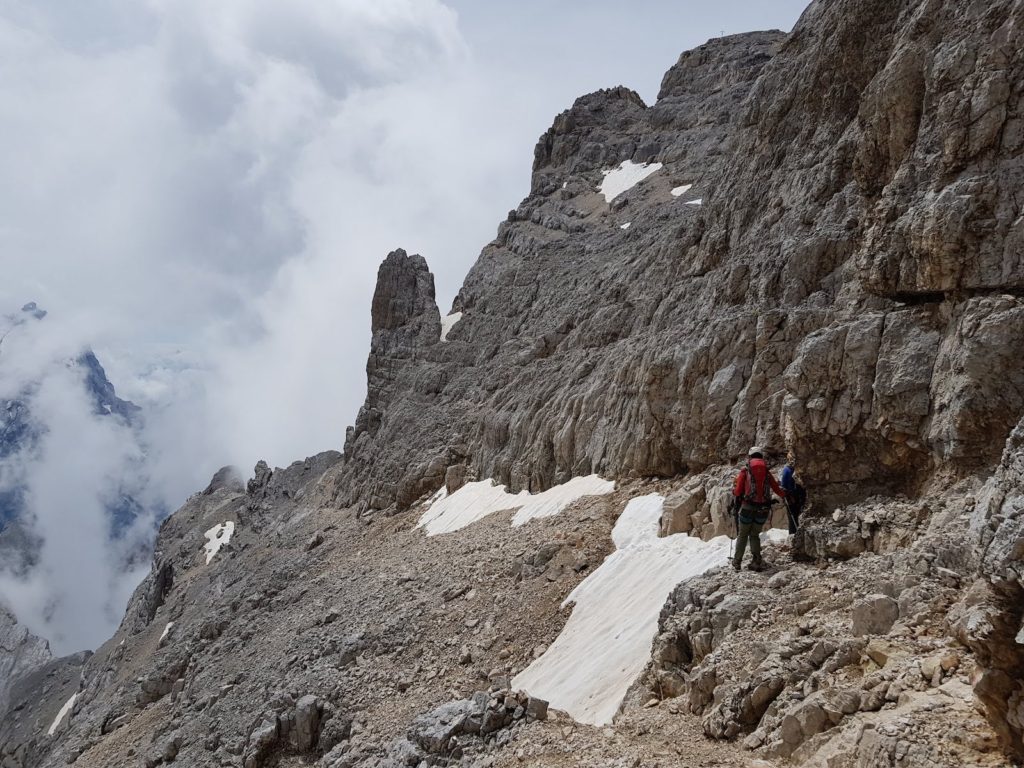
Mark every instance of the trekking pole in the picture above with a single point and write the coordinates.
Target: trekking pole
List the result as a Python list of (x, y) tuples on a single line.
[(789, 515), (735, 531)]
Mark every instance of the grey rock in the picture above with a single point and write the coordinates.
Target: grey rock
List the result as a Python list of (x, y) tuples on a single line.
[(307, 723), (21, 652), (433, 731), (536, 709), (680, 509), (225, 478), (874, 615), (807, 719)]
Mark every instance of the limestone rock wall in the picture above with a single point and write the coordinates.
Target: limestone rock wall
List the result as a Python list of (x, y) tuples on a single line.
[(848, 288), (20, 653)]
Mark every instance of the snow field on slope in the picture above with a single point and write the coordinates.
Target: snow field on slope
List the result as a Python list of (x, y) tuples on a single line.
[(475, 501), (448, 322), (554, 500), (626, 176), (606, 643), (163, 635), (681, 190), (62, 714), (217, 537)]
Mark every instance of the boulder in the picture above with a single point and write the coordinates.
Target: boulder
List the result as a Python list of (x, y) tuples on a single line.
[(805, 720), (433, 730), (307, 723), (679, 510), (874, 615), (536, 709)]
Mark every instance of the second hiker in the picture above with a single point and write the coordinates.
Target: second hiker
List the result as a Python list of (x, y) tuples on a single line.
[(752, 503), (796, 496)]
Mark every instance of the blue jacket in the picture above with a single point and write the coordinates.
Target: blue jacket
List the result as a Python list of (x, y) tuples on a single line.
[(788, 480)]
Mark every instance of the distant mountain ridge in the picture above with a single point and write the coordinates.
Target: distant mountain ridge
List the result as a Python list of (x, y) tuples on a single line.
[(20, 432)]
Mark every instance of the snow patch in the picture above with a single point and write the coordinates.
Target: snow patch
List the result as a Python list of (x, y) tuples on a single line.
[(606, 642), (163, 635), (698, 201), (440, 494), (217, 537), (62, 714), (554, 500), (475, 501), (472, 502), (626, 176), (626, 225), (448, 322), (639, 521), (681, 190)]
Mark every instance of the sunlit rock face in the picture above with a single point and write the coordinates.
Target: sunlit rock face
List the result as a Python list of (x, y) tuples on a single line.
[(849, 284)]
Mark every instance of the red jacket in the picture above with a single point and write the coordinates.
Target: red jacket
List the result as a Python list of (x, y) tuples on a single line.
[(757, 493)]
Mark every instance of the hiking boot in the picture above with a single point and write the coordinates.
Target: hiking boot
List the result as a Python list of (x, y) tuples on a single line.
[(735, 565), (756, 565)]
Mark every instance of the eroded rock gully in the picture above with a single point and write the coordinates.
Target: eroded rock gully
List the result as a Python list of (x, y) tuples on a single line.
[(826, 262)]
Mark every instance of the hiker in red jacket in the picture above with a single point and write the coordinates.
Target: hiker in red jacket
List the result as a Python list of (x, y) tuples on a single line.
[(752, 504)]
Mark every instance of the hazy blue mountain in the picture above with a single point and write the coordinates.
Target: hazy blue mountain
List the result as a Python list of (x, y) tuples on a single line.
[(20, 431)]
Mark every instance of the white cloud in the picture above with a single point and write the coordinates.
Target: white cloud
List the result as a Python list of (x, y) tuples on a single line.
[(82, 462)]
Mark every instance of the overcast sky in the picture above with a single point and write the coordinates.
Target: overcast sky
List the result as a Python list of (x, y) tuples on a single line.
[(203, 191)]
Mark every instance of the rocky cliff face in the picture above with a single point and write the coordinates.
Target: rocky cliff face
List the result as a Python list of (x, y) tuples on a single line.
[(20, 653), (812, 242), (847, 285)]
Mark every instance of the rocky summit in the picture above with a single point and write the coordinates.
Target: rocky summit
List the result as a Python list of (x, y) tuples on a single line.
[(811, 242)]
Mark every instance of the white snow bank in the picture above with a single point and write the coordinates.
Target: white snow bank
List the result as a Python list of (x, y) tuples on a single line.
[(626, 176), (163, 635), (626, 225), (639, 521), (698, 201), (472, 502), (448, 322), (681, 190), (440, 494), (475, 501), (606, 643), (217, 537), (554, 500), (62, 714)]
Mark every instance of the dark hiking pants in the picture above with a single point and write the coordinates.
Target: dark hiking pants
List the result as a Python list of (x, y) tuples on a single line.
[(749, 532), (751, 520)]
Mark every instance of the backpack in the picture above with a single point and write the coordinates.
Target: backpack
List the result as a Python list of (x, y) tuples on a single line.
[(756, 493)]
